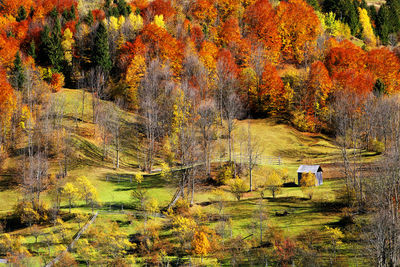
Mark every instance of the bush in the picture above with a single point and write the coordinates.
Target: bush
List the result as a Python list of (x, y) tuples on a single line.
[(377, 146), (237, 187), (302, 122), (57, 82), (29, 214), (182, 206), (225, 173)]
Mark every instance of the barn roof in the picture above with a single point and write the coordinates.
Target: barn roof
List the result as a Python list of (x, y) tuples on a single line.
[(309, 168)]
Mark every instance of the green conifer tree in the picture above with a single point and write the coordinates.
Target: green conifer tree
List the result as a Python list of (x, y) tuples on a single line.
[(383, 23), (89, 18), (18, 76), (379, 88), (21, 15), (55, 50), (32, 49), (101, 51)]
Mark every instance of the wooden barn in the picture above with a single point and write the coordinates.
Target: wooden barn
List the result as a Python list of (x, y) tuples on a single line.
[(315, 169)]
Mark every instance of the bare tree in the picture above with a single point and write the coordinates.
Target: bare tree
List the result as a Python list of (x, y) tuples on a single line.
[(153, 94), (253, 153), (207, 126), (115, 125)]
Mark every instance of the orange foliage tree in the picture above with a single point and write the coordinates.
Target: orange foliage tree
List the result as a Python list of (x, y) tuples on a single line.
[(230, 38), (7, 103), (271, 95), (298, 28), (261, 21), (205, 12), (318, 88), (160, 7), (228, 8), (385, 66), (354, 82), (162, 44), (344, 56)]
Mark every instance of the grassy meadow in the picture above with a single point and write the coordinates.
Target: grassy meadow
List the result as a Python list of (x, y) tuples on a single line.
[(114, 187)]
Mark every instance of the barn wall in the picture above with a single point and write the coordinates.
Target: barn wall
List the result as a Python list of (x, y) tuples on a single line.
[(319, 178)]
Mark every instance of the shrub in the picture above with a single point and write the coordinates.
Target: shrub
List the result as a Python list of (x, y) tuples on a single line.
[(29, 214), (237, 187), (303, 122), (57, 82), (377, 146), (225, 173)]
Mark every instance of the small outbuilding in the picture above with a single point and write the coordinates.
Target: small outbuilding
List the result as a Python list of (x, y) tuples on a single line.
[(314, 169)]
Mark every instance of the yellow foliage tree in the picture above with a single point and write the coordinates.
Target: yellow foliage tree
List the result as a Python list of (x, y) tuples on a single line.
[(70, 192), (86, 190), (307, 184), (159, 21), (237, 187), (67, 44), (274, 183), (136, 21), (367, 33), (201, 245), (134, 74), (13, 247)]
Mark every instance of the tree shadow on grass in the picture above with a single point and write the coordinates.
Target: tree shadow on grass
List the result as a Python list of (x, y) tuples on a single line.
[(127, 182)]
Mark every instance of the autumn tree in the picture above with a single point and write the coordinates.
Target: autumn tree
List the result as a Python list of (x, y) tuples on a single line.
[(201, 245), (237, 187), (343, 56), (70, 192), (67, 44), (307, 184), (135, 72), (262, 21), (367, 31), (298, 28), (206, 12), (271, 95), (273, 183), (86, 190), (319, 86), (384, 64)]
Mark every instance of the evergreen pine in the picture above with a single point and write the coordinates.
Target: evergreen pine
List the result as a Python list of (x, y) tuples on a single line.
[(379, 88), (383, 23), (89, 18), (101, 51), (314, 4), (32, 49), (18, 76), (55, 50), (21, 15)]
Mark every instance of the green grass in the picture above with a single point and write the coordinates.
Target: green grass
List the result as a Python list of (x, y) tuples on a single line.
[(276, 140)]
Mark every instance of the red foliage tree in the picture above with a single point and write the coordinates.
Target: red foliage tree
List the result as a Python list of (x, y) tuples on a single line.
[(262, 22), (6, 98), (298, 27), (319, 86), (385, 65), (162, 44), (227, 63), (159, 7), (271, 94), (354, 81), (345, 56)]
